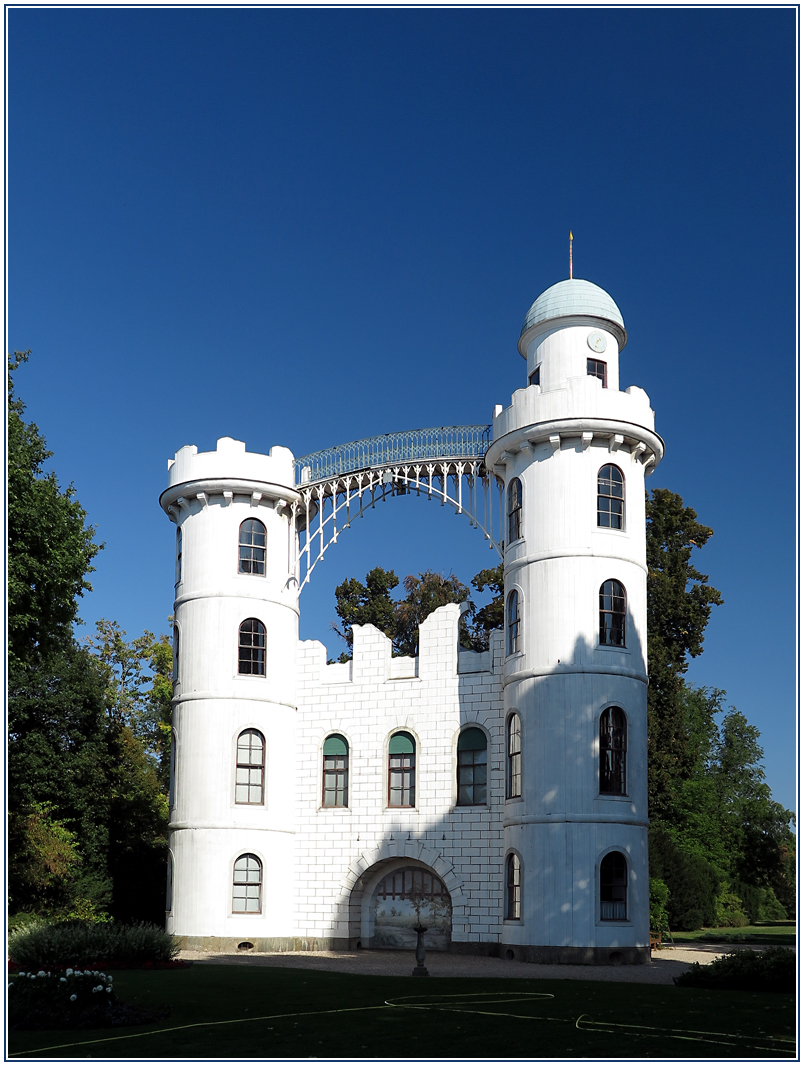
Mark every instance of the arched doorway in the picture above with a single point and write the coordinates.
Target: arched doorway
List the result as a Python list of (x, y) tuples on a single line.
[(405, 897)]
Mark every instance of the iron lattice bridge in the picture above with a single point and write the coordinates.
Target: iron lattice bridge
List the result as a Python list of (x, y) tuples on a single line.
[(340, 484)]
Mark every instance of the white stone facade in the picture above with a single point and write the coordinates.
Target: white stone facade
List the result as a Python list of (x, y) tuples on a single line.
[(323, 868)]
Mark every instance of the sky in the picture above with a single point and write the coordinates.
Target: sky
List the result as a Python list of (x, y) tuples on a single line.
[(304, 227)]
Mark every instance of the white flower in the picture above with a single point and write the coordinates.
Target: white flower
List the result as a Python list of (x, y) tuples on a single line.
[(69, 971), (41, 974), (62, 979), (74, 997), (108, 989), (10, 984)]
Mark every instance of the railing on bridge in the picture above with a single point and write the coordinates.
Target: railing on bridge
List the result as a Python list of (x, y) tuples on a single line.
[(393, 450), (445, 463)]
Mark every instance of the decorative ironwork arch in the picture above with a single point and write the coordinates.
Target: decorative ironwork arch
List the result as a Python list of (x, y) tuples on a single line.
[(340, 484)]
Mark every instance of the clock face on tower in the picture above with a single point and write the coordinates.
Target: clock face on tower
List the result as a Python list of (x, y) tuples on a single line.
[(597, 341)]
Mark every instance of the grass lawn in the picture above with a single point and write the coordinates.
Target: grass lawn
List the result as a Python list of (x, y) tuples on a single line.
[(742, 935), (242, 1012)]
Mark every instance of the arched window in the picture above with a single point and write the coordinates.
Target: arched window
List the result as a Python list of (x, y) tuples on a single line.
[(247, 886), (252, 547), (612, 613), (513, 623), (252, 647), (610, 497), (335, 772), (513, 768), (472, 766), (176, 653), (402, 771), (514, 887), (614, 877), (250, 768), (612, 753), (178, 554), (515, 510)]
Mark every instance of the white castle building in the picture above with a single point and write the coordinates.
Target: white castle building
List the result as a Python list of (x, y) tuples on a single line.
[(498, 798)]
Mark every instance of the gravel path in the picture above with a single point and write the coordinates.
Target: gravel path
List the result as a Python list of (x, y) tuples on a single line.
[(665, 964)]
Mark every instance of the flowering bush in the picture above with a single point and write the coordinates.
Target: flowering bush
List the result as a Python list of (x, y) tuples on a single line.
[(85, 944), (52, 1000)]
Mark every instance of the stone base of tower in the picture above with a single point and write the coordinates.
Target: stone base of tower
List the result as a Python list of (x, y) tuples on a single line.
[(232, 945), (554, 953)]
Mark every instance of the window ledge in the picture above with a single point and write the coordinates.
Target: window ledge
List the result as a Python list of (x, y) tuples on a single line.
[(624, 649)]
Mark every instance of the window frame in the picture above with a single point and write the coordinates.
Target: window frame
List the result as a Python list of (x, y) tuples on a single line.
[(235, 883), (514, 511), (514, 888), (514, 759), (599, 365), (475, 784), (607, 629), (341, 773), (179, 542), (514, 627), (404, 770), (250, 547), (261, 767), (535, 374), (259, 660), (612, 754), (599, 497), (176, 645), (611, 887), (172, 765)]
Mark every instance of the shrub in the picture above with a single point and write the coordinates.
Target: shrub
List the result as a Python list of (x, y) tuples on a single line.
[(692, 881), (84, 944), (729, 909), (770, 909), (658, 894), (73, 1000), (772, 971)]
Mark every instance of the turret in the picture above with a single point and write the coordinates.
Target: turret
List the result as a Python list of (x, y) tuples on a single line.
[(574, 453), (235, 641)]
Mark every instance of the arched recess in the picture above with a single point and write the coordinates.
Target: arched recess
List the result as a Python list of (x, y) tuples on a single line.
[(366, 875)]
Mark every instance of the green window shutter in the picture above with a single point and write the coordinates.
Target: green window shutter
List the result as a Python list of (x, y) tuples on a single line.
[(401, 744), (335, 745), (471, 740)]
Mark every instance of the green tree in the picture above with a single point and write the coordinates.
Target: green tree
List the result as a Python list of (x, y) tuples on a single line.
[(357, 605), (50, 546), (424, 594), (679, 605), (491, 616)]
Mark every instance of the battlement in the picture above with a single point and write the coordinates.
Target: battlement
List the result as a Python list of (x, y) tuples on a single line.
[(439, 655), (230, 460), (582, 397)]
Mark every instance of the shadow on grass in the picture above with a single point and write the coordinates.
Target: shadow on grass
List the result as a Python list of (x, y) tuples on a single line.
[(241, 1012), (741, 935)]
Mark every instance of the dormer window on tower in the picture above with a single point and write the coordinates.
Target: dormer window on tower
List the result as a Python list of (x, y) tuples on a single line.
[(597, 369)]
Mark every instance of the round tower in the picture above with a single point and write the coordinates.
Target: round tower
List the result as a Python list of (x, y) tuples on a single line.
[(574, 451), (235, 640)]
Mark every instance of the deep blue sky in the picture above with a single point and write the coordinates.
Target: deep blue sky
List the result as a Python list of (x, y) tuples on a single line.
[(304, 227)]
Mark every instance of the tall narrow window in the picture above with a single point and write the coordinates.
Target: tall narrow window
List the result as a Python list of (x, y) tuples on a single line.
[(250, 768), (402, 771), (612, 753), (513, 751), (513, 623), (597, 369), (172, 777), (169, 885), (252, 547), (613, 886), (533, 378), (178, 554), (247, 886), (472, 766), (176, 653), (610, 497), (335, 772), (252, 647), (514, 887), (515, 510), (612, 613)]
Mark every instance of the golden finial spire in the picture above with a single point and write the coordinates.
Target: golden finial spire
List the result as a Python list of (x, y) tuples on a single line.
[(571, 253)]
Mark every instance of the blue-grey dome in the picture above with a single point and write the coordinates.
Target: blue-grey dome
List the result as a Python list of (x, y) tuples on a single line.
[(575, 297)]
